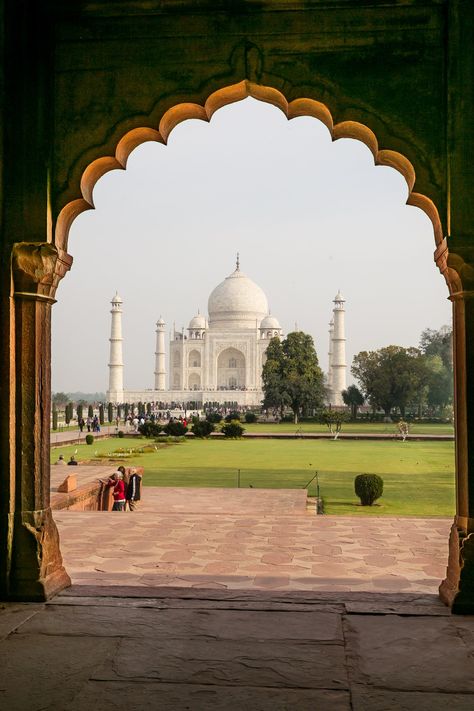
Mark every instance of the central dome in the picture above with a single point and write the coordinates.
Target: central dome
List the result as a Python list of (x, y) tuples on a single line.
[(237, 302)]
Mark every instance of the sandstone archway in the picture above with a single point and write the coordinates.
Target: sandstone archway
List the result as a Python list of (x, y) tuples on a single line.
[(33, 564)]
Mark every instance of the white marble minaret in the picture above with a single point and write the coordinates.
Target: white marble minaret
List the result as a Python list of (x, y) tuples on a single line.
[(338, 365), (160, 356), (331, 335), (115, 391)]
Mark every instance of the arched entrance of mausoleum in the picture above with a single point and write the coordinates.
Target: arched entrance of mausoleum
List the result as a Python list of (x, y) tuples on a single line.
[(38, 267), (231, 370)]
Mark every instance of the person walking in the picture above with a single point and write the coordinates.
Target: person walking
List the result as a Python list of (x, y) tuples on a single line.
[(116, 480), (134, 490)]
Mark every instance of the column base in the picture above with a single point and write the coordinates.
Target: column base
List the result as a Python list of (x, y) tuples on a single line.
[(37, 572), (457, 589)]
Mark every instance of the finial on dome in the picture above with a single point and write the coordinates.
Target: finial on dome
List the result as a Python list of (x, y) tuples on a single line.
[(237, 263)]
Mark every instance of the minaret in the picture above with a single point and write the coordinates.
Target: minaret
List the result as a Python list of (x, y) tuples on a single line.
[(331, 335), (160, 356), (115, 392), (339, 366)]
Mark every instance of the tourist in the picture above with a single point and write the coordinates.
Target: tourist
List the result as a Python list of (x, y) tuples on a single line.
[(72, 462), (88, 423), (134, 490), (81, 423), (116, 480), (61, 460)]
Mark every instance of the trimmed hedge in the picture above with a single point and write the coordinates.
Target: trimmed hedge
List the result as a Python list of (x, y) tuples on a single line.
[(233, 429), (150, 429), (368, 487), (202, 428), (89, 439), (251, 417), (214, 417), (175, 428)]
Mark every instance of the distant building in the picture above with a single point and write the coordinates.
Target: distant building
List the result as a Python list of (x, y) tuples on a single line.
[(218, 359)]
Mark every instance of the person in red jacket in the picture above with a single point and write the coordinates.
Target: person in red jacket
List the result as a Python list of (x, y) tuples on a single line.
[(116, 480)]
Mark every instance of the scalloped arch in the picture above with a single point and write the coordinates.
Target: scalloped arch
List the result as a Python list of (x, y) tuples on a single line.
[(222, 97)]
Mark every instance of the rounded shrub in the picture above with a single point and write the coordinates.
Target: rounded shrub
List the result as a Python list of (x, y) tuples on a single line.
[(175, 428), (233, 429), (89, 439), (202, 428), (121, 434), (250, 417), (214, 417), (150, 429), (368, 487), (233, 416)]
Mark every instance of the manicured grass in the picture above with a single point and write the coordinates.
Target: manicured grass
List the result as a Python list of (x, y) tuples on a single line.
[(418, 476), (358, 427)]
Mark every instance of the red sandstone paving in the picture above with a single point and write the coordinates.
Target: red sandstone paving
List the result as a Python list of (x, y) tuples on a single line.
[(264, 550)]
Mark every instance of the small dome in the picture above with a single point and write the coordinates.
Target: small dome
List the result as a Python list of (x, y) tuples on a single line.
[(160, 322), (270, 322), (198, 321), (339, 297), (117, 299), (237, 302)]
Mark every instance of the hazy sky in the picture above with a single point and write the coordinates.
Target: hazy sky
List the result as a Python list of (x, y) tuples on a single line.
[(308, 217)]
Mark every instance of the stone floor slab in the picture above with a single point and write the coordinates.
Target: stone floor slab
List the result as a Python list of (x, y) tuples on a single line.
[(220, 661), (409, 653), (119, 696)]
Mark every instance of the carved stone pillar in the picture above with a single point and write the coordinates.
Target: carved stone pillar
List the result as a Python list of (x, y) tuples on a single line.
[(34, 563), (457, 590)]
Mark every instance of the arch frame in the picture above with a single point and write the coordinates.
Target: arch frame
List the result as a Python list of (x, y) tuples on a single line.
[(407, 38)]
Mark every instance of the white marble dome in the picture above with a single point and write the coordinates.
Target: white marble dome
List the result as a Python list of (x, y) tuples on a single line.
[(270, 322), (197, 322), (237, 302)]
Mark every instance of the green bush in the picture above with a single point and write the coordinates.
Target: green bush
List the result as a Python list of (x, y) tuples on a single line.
[(233, 429), (202, 428), (250, 417), (233, 416), (368, 487), (121, 434), (214, 417), (150, 429), (89, 439), (175, 428)]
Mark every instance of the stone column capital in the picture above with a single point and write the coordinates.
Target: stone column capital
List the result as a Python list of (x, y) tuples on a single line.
[(37, 269)]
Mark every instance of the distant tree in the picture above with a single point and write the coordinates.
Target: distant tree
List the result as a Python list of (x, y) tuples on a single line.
[(391, 377), (353, 398), (101, 414), (79, 409), (437, 347), (148, 408), (60, 398), (126, 410), (291, 374), (90, 411), (110, 412), (55, 418), (334, 420)]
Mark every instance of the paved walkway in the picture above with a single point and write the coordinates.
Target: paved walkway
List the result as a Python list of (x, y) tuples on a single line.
[(177, 650), (250, 539), (75, 436)]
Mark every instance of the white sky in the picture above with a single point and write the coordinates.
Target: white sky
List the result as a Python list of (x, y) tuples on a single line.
[(308, 217)]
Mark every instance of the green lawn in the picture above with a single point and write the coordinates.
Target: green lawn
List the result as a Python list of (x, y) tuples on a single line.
[(369, 427), (418, 476)]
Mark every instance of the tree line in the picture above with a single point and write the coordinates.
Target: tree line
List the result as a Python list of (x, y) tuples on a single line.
[(389, 378)]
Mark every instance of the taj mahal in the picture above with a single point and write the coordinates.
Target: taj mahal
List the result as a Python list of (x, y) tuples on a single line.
[(219, 359)]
